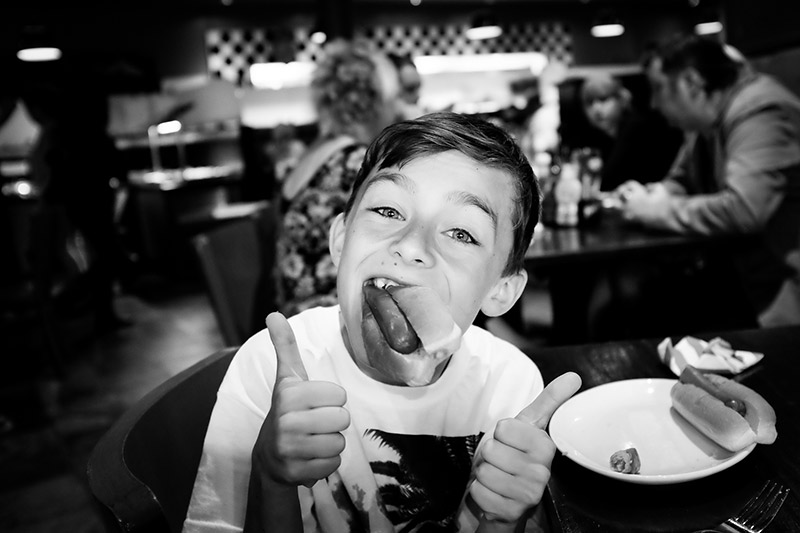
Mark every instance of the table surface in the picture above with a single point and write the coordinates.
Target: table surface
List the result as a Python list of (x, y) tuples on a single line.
[(574, 262), (607, 237), (581, 500)]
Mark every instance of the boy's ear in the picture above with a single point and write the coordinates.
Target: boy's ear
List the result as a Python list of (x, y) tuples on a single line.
[(504, 294), (336, 238)]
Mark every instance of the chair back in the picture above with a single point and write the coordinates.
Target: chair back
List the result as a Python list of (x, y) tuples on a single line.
[(143, 468), (238, 264)]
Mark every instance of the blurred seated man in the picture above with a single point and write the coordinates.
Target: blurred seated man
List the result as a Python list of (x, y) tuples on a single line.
[(738, 171), (634, 145)]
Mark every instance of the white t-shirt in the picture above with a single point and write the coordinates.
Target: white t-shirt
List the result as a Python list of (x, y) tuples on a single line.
[(409, 450)]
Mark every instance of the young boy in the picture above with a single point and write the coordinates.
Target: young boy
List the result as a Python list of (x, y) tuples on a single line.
[(323, 411)]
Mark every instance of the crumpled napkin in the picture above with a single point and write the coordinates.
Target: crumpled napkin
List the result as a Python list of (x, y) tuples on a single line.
[(715, 355)]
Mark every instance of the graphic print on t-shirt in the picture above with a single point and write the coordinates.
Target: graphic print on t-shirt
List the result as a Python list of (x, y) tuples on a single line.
[(421, 478)]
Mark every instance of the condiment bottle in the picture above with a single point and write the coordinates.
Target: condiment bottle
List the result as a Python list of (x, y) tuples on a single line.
[(568, 191)]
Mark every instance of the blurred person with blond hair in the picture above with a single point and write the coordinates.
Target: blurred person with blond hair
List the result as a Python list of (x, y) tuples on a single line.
[(356, 92)]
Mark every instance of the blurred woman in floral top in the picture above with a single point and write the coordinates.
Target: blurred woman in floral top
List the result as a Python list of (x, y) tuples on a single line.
[(356, 92)]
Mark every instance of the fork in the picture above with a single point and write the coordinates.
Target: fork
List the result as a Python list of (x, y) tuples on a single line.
[(757, 514)]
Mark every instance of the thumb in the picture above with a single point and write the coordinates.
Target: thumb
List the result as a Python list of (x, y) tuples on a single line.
[(559, 390), (289, 366)]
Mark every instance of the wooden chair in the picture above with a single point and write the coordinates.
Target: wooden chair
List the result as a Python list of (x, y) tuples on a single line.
[(238, 262), (142, 469)]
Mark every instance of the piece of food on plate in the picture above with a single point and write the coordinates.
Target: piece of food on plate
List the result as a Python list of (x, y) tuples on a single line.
[(727, 412), (626, 461), (415, 324)]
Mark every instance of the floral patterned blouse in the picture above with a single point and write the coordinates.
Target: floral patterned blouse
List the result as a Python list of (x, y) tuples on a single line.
[(307, 276)]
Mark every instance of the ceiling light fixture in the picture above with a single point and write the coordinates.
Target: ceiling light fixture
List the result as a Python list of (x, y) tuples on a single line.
[(708, 28), (318, 37), (607, 25), (707, 20), (607, 30), (37, 43), (39, 53), (484, 26)]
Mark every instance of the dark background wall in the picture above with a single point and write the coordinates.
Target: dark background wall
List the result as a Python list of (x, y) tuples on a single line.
[(166, 39), (763, 27), (124, 47)]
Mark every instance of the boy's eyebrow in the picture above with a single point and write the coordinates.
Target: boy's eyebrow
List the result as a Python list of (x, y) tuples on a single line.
[(394, 177), (460, 197), (467, 198)]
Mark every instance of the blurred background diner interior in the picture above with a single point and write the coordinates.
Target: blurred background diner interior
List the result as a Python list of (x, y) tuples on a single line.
[(154, 124)]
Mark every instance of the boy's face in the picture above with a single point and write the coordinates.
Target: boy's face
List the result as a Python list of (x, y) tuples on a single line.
[(443, 222)]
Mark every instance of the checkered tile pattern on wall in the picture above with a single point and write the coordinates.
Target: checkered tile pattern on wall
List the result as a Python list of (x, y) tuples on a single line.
[(231, 51), (553, 39)]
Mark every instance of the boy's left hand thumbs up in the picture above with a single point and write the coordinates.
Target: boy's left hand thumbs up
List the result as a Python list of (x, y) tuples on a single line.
[(513, 468), (557, 392)]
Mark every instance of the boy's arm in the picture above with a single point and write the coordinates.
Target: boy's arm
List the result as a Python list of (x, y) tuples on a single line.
[(514, 466), (300, 440), (278, 508)]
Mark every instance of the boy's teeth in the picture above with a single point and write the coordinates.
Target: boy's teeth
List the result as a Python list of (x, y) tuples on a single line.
[(383, 283)]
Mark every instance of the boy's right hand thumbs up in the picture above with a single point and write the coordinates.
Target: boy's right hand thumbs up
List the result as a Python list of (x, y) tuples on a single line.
[(290, 365), (300, 440)]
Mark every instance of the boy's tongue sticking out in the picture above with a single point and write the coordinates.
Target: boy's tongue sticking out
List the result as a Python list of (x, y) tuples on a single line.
[(408, 331)]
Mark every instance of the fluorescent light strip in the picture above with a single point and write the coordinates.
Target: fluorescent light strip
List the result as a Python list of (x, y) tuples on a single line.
[(534, 61), (42, 53), (298, 74), (607, 30), (281, 75)]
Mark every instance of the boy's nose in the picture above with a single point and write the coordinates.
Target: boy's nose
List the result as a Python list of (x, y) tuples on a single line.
[(413, 246)]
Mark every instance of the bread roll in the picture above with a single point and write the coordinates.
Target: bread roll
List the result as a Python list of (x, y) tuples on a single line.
[(712, 418), (760, 414), (729, 413), (430, 318)]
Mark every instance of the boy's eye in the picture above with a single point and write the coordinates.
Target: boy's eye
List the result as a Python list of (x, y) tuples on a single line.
[(387, 212), (461, 235)]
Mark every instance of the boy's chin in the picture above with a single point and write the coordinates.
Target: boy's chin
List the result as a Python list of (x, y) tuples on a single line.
[(415, 369)]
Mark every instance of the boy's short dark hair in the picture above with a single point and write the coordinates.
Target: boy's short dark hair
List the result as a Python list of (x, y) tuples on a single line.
[(476, 138)]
